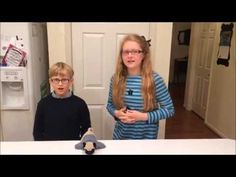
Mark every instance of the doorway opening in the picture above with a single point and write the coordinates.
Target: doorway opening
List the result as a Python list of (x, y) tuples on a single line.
[(185, 124)]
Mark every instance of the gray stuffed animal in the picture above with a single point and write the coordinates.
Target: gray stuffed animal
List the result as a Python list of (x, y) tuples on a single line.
[(89, 142)]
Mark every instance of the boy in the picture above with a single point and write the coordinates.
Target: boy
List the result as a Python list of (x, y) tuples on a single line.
[(61, 115)]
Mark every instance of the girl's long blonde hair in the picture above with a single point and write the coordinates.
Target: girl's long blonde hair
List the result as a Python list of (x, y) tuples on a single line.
[(119, 78)]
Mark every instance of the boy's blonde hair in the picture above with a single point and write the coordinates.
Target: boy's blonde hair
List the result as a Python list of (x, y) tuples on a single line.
[(61, 69)]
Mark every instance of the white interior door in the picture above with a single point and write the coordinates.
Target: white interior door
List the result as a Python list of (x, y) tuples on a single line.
[(94, 52), (203, 67)]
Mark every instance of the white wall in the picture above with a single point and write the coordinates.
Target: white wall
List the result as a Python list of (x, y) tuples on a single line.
[(59, 42), (39, 58), (1, 137), (220, 114), (161, 35)]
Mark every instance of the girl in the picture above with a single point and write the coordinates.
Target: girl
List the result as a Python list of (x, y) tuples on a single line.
[(138, 97)]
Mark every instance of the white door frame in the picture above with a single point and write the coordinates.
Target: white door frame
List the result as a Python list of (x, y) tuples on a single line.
[(160, 34), (194, 43)]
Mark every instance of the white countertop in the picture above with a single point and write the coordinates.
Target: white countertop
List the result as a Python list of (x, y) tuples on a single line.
[(124, 147)]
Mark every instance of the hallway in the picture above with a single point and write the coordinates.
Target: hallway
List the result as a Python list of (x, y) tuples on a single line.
[(185, 124)]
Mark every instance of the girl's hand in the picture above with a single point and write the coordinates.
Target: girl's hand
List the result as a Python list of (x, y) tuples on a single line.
[(121, 114), (136, 115)]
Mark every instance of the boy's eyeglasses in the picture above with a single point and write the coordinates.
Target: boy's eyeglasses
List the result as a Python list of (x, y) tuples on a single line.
[(132, 52), (63, 81)]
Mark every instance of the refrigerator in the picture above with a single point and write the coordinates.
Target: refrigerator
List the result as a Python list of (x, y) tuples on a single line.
[(23, 84)]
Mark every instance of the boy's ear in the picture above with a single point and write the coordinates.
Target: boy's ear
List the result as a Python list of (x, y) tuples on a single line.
[(72, 81)]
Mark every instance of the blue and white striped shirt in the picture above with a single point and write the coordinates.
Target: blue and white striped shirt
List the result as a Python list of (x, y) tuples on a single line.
[(142, 129)]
